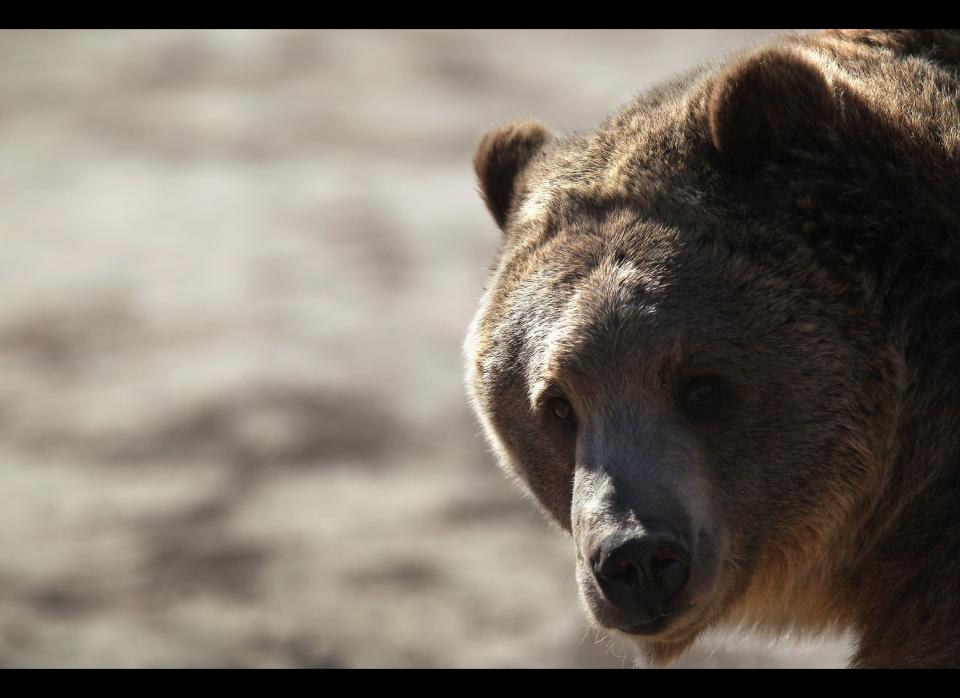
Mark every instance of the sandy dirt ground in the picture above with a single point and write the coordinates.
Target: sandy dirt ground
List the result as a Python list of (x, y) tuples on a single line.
[(237, 270)]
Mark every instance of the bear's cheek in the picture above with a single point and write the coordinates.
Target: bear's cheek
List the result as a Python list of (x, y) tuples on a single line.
[(773, 471), (547, 473), (541, 464)]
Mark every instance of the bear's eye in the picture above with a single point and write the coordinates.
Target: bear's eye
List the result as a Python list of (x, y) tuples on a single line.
[(701, 396), (561, 411)]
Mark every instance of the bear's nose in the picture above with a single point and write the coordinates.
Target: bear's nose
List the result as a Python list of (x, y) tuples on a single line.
[(642, 572)]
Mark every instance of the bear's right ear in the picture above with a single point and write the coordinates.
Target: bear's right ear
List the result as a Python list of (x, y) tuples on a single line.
[(771, 100), (501, 157)]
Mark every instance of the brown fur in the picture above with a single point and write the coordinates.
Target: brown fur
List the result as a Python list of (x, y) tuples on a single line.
[(787, 224)]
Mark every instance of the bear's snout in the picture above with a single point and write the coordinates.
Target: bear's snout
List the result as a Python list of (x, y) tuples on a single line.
[(641, 574)]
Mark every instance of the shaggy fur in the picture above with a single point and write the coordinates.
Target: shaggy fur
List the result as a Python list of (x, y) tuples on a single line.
[(785, 224)]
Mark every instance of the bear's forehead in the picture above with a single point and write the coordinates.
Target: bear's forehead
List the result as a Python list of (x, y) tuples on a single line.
[(610, 316), (655, 171), (597, 303), (600, 254), (607, 296)]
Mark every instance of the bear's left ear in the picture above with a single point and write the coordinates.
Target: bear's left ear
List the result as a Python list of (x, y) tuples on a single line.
[(769, 101), (500, 159)]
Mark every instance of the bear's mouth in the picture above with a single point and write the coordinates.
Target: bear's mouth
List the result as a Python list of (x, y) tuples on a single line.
[(658, 623), (651, 627)]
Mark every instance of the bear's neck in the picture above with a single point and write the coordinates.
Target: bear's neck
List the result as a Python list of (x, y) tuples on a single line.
[(903, 591), (903, 588)]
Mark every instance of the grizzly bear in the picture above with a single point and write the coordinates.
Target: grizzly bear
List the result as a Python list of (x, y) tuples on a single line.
[(721, 347)]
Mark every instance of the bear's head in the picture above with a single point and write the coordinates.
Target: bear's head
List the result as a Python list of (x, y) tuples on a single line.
[(670, 363)]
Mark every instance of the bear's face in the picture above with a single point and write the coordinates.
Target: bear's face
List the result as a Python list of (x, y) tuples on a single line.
[(687, 396)]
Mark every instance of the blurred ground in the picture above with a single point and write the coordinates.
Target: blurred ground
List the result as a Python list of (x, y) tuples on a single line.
[(237, 269)]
